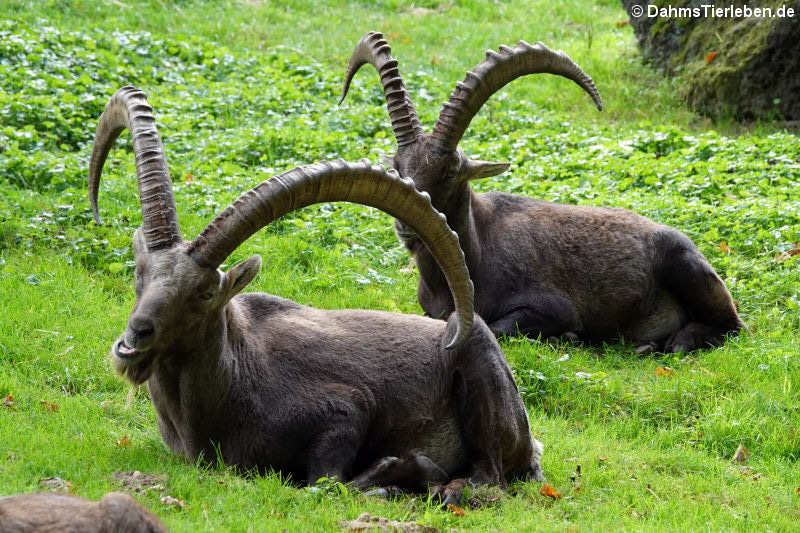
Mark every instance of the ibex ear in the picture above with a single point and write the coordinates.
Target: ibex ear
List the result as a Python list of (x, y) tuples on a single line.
[(240, 275), (475, 169), (387, 160)]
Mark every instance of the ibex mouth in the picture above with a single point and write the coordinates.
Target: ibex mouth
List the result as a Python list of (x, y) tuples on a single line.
[(123, 351), (134, 364)]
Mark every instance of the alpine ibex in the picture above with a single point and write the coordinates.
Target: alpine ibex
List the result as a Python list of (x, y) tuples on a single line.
[(379, 398), (115, 512), (539, 268)]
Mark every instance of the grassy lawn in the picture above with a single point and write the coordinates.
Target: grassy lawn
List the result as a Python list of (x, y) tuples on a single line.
[(245, 89)]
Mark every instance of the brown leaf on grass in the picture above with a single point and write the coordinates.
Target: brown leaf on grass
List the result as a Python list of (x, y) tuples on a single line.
[(140, 482), (710, 57), (124, 441), (55, 484), (170, 501), (725, 248), (741, 455), (8, 402), (392, 35), (602, 459), (49, 407), (621, 23), (788, 254), (549, 491), (188, 178), (797, 490), (664, 371), (367, 522), (456, 510)]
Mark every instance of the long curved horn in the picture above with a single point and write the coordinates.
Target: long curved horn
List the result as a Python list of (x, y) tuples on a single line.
[(373, 49), (492, 74), (347, 182), (128, 109)]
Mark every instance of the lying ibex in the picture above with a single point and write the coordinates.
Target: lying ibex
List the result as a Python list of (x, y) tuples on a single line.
[(114, 513), (539, 268), (373, 397)]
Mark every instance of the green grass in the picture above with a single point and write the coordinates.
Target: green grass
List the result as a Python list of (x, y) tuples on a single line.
[(243, 90)]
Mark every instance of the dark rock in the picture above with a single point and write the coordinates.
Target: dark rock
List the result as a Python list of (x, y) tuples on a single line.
[(745, 67)]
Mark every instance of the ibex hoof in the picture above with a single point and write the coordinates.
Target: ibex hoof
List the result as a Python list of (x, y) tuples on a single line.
[(646, 348), (384, 492), (450, 493)]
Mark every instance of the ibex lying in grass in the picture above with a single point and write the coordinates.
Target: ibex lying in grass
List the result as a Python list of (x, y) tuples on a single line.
[(539, 268), (374, 397), (115, 512)]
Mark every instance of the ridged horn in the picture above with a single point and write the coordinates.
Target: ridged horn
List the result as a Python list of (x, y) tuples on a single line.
[(493, 73), (373, 49), (334, 181), (128, 108)]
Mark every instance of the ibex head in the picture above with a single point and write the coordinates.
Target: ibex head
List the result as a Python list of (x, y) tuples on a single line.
[(180, 291), (434, 160)]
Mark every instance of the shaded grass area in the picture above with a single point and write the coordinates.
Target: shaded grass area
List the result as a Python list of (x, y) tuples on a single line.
[(243, 90)]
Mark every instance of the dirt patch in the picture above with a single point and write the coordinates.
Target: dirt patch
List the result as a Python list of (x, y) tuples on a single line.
[(140, 482), (367, 522)]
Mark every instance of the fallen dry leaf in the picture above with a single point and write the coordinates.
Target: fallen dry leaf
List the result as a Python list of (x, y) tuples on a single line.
[(188, 178), (367, 522), (456, 510), (788, 254), (797, 490), (548, 490), (664, 371), (710, 57), (741, 454), (170, 501), (602, 459), (8, 402), (621, 23), (725, 248), (55, 484), (50, 407), (124, 441)]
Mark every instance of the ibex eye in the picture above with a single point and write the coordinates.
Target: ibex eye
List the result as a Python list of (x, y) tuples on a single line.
[(206, 295)]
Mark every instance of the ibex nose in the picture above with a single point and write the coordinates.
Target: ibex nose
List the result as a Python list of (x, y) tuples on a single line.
[(142, 328)]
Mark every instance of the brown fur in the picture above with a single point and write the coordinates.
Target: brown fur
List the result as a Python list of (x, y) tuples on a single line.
[(61, 513), (544, 269), (272, 384)]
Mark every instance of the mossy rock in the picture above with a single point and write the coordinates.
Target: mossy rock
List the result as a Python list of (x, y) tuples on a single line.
[(739, 67)]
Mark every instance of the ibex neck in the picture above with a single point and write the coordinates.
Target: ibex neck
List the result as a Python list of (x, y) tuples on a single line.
[(189, 388), (461, 218)]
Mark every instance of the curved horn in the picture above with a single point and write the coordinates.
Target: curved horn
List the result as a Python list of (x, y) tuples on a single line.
[(492, 74), (347, 182), (128, 109), (373, 49)]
